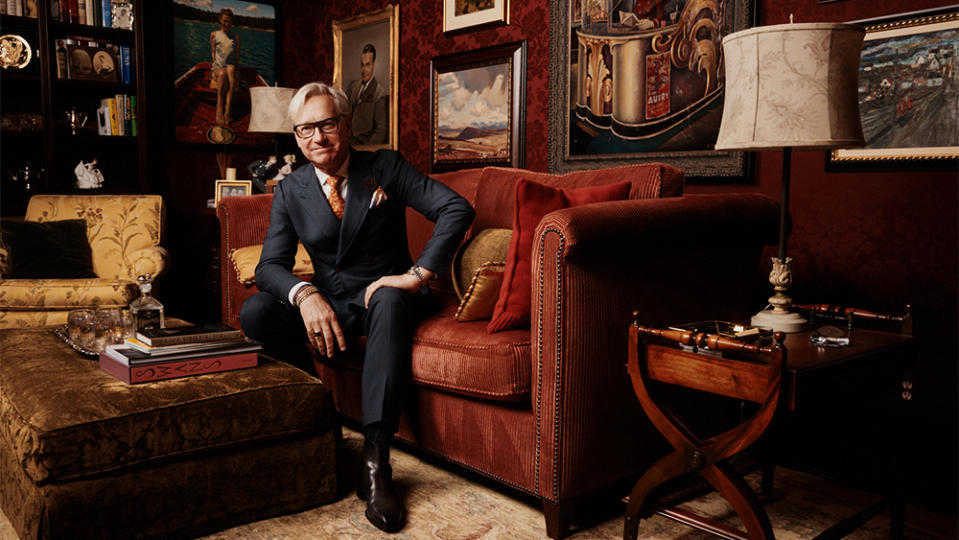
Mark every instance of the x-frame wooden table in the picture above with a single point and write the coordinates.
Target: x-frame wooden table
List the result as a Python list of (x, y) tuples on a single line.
[(785, 375)]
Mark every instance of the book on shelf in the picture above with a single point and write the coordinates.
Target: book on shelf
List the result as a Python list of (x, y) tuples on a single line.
[(133, 367), (133, 115), (125, 64), (121, 114), (193, 333), (105, 15)]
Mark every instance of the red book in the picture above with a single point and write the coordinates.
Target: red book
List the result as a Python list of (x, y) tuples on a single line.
[(120, 367), (74, 11)]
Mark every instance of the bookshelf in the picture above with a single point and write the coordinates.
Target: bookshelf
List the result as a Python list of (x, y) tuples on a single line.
[(35, 101)]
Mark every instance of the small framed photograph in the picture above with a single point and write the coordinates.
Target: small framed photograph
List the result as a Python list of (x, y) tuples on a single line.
[(366, 59), (460, 14), (478, 113), (122, 16), (232, 188), (907, 93)]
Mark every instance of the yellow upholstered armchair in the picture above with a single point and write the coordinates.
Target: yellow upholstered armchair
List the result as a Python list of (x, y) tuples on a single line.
[(124, 232)]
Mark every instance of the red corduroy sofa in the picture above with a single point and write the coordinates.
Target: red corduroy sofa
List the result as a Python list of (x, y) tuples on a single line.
[(549, 410)]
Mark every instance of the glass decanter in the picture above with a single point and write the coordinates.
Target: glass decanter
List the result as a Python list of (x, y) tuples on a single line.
[(147, 311)]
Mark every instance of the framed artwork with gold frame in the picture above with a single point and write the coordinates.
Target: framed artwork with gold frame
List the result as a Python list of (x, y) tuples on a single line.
[(366, 58), (231, 188), (908, 88), (462, 14)]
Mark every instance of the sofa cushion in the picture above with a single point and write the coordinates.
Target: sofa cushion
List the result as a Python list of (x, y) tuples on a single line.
[(494, 203), (490, 245), (55, 249), (533, 201), (481, 294), (64, 294), (245, 259), (57, 436), (462, 358)]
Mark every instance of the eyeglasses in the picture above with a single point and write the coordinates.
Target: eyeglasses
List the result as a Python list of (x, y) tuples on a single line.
[(327, 126)]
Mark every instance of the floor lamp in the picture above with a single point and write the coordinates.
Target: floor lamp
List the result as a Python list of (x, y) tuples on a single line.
[(268, 114), (790, 86)]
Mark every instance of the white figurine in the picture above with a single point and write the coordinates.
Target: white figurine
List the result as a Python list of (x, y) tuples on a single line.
[(88, 176), (286, 169)]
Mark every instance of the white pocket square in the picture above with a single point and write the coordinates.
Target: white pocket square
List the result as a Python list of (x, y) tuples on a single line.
[(378, 197)]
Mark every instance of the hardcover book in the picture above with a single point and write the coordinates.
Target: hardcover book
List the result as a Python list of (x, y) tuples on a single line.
[(195, 333), (181, 348), (115, 362)]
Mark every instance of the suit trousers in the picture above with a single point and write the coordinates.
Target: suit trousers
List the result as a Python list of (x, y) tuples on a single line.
[(388, 324)]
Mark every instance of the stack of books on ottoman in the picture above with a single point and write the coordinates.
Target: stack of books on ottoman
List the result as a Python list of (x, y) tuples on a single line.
[(157, 354)]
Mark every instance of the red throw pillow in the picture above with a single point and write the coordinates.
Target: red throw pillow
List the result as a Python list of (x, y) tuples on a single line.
[(533, 201)]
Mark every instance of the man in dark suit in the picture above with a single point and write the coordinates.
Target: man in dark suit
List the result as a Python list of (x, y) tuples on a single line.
[(348, 208), (369, 103)]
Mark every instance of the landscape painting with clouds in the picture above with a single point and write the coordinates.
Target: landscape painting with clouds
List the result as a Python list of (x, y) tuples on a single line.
[(472, 114)]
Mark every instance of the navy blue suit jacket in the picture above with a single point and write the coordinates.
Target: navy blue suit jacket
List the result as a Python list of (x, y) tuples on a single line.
[(369, 242)]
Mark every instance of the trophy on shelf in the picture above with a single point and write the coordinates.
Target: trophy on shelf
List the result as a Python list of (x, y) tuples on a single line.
[(75, 119)]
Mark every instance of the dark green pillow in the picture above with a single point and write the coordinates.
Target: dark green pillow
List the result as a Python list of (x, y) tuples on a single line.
[(53, 249)]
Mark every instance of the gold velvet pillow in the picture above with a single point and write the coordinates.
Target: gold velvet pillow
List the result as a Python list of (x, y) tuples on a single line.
[(245, 260), (481, 294), (489, 245)]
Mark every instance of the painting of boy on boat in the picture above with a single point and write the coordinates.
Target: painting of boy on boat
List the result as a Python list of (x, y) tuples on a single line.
[(222, 48)]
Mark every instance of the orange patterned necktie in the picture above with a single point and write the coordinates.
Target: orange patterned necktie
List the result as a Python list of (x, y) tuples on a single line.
[(336, 200)]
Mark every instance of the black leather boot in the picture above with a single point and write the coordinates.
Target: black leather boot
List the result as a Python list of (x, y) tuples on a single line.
[(375, 487)]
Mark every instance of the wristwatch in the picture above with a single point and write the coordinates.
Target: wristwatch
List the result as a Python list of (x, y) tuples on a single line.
[(418, 273)]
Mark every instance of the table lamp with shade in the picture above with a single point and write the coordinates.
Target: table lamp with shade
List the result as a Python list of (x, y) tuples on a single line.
[(790, 86), (268, 114)]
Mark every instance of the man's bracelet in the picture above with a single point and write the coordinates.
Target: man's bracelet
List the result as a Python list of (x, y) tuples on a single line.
[(303, 293), (415, 271)]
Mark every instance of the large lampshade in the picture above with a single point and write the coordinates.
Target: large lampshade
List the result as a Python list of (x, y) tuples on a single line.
[(268, 112), (792, 85)]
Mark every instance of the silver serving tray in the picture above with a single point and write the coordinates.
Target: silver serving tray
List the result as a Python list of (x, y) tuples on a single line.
[(63, 333)]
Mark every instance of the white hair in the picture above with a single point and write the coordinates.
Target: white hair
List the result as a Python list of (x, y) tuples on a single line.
[(308, 90)]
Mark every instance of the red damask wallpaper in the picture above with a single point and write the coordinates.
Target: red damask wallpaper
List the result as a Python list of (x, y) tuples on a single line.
[(421, 39)]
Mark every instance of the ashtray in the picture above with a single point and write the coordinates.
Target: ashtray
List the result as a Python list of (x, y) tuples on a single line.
[(829, 336)]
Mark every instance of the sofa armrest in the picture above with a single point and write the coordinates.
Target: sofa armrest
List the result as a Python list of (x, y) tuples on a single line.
[(676, 260), (243, 222), (152, 260)]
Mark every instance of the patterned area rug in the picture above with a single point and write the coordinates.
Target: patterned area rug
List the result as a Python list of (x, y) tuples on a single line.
[(449, 506)]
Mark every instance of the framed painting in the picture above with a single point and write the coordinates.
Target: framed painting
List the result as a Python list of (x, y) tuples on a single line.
[(462, 14), (366, 59), (908, 90), (634, 81), (221, 49), (478, 108)]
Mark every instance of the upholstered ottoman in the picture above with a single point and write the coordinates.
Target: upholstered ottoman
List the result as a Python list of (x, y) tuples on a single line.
[(83, 455)]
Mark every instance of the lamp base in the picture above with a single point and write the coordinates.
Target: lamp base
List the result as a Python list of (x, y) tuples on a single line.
[(779, 321)]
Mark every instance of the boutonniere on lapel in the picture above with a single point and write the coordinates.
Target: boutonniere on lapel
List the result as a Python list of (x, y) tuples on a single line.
[(378, 194)]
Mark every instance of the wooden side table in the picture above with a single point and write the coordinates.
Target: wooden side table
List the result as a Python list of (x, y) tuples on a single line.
[(811, 378)]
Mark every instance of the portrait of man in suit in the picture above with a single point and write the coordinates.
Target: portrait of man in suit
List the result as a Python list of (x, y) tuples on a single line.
[(369, 103), (348, 209)]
